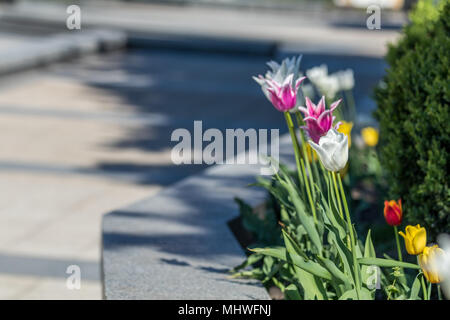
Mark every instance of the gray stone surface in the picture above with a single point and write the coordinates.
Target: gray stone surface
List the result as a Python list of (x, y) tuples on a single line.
[(311, 29), (177, 244), (29, 52)]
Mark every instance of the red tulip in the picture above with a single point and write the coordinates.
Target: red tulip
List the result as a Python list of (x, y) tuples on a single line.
[(393, 212)]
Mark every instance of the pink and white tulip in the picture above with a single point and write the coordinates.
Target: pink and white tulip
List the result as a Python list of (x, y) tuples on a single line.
[(283, 96), (281, 83), (318, 120)]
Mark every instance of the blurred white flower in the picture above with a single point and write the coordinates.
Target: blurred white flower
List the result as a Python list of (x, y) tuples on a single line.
[(346, 79), (332, 150), (317, 74), (328, 86), (444, 263)]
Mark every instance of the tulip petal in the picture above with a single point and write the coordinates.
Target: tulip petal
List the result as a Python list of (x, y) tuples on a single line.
[(303, 110), (323, 155), (320, 106), (420, 240), (335, 104), (310, 105), (299, 82)]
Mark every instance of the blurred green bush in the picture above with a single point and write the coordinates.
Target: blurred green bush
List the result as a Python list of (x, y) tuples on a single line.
[(413, 111)]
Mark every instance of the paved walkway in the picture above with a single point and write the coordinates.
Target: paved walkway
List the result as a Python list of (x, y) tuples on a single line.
[(55, 130), (82, 139)]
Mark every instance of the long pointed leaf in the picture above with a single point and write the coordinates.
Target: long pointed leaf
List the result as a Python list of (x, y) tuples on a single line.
[(387, 263), (282, 254)]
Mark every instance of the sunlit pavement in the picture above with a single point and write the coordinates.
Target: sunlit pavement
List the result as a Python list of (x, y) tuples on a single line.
[(81, 139), (52, 202)]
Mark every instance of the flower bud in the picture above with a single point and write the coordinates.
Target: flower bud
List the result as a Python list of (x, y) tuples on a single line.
[(393, 212)]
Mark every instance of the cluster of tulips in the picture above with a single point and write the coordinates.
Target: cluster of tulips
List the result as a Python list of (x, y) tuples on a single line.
[(321, 256), (415, 237)]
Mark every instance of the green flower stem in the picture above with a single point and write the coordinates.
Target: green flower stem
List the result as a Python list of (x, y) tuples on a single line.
[(352, 240), (330, 185), (422, 281), (338, 197), (390, 291), (315, 170), (424, 289), (291, 128), (299, 121), (313, 208), (339, 201), (298, 160), (399, 250), (305, 156), (308, 168)]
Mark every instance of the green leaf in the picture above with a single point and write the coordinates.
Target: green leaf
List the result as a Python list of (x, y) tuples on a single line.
[(292, 246), (351, 295), (311, 285), (339, 276), (253, 274), (369, 249), (369, 252), (274, 269), (305, 220), (251, 259), (415, 289), (343, 252), (291, 293), (387, 263), (268, 264), (429, 291), (332, 213), (282, 254), (277, 191)]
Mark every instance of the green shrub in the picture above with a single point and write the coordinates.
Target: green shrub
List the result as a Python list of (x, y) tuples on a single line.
[(413, 111)]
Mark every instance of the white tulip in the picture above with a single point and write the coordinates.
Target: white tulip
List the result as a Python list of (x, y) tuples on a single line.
[(444, 263), (328, 86), (332, 150), (346, 79), (316, 74)]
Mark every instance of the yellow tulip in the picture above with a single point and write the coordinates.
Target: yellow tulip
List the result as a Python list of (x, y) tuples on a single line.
[(415, 239), (429, 260), (346, 128), (370, 136), (311, 153)]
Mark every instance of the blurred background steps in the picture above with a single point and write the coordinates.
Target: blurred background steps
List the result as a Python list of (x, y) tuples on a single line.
[(19, 52), (220, 29)]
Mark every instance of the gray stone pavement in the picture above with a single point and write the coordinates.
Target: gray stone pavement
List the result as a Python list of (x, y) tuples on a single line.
[(83, 138), (180, 238), (21, 52)]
